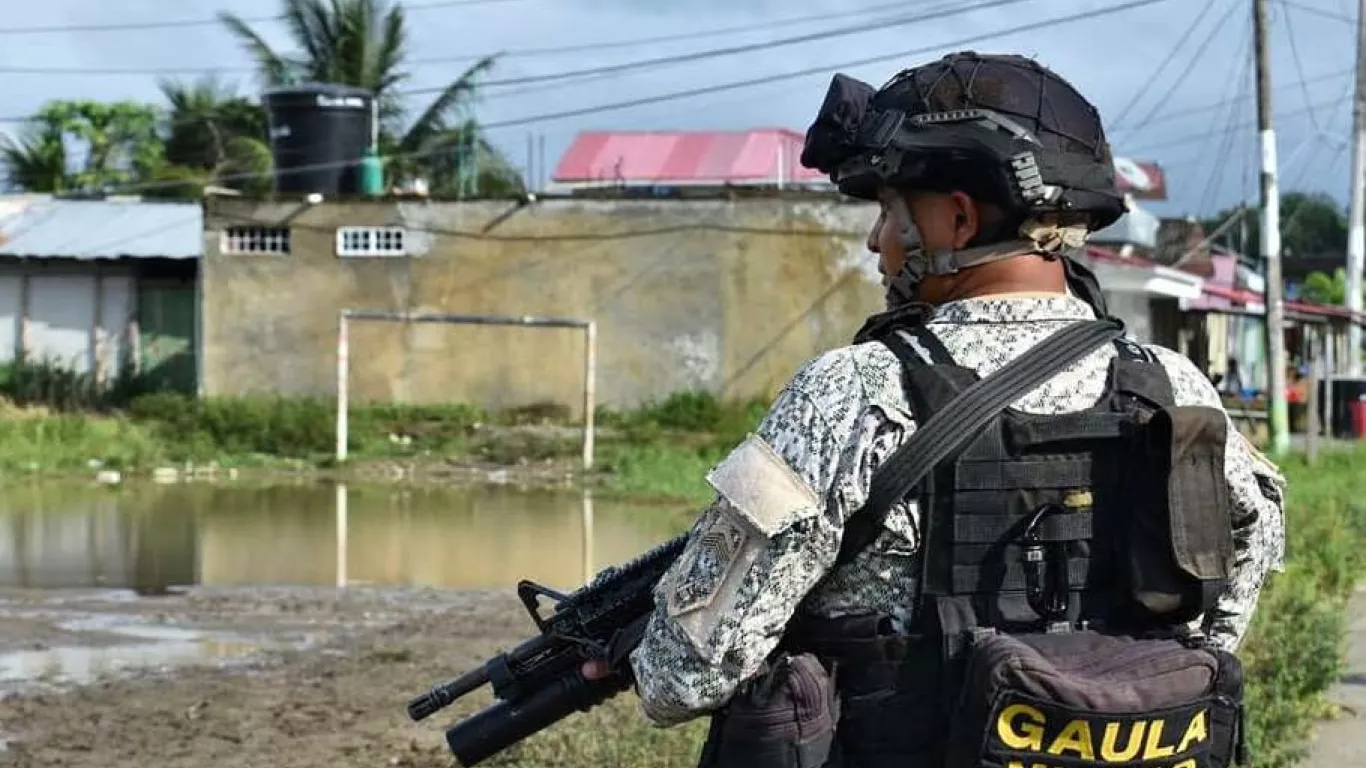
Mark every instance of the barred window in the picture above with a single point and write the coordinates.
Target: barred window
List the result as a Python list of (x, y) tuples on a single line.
[(255, 240), (371, 241)]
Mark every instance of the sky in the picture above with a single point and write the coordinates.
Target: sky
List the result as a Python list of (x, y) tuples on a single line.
[(1196, 117)]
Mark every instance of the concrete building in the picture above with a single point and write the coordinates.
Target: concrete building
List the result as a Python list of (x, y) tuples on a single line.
[(101, 286), (729, 297)]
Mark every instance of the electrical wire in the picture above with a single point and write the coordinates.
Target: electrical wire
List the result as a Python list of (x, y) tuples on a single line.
[(1238, 65), (1299, 65), (1184, 77), (1046, 24), (187, 23), (512, 53), (1169, 58), (629, 66)]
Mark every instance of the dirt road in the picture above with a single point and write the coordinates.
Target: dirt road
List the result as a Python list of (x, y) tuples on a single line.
[(288, 679)]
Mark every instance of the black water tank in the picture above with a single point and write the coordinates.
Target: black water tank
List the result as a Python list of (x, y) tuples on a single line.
[(318, 134)]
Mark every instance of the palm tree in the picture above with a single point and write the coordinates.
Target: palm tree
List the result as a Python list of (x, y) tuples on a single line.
[(214, 136), (36, 162), (363, 43)]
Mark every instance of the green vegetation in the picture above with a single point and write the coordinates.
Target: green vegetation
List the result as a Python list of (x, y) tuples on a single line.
[(1294, 649), (59, 423), (207, 133)]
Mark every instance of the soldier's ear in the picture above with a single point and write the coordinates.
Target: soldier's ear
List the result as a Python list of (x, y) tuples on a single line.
[(967, 218)]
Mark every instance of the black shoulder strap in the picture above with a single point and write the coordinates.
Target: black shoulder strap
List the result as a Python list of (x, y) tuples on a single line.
[(962, 417)]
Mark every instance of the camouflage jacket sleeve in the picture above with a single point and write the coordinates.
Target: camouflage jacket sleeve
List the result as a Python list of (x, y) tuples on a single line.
[(771, 535), (1257, 493)]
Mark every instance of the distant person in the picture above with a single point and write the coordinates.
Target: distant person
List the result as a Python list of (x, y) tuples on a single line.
[(1043, 547), (1233, 379)]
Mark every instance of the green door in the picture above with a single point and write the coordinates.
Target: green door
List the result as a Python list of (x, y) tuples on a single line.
[(166, 326)]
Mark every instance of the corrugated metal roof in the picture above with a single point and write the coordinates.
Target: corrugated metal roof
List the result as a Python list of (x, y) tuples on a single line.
[(103, 229), (686, 157)]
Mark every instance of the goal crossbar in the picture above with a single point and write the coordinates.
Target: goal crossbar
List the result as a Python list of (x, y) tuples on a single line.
[(590, 332)]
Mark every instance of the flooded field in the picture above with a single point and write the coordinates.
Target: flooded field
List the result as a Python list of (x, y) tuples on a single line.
[(200, 624)]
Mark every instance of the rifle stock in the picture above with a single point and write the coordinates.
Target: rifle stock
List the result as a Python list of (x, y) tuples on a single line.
[(540, 682)]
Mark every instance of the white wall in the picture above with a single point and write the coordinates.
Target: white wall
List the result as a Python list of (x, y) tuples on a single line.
[(64, 302)]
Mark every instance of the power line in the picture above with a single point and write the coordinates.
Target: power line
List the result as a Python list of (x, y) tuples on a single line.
[(1194, 137), (512, 53), (595, 72), (1190, 65), (1169, 58), (858, 29), (1243, 96), (1295, 56), (707, 90), (186, 23), (1238, 65), (734, 85), (1320, 12)]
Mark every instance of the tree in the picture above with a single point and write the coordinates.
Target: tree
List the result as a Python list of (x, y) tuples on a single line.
[(1310, 224), (214, 136), (364, 43), (1321, 288), (115, 144), (36, 162)]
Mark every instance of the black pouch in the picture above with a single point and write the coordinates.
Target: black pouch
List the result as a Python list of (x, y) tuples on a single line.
[(784, 718), (1085, 699), (1178, 534)]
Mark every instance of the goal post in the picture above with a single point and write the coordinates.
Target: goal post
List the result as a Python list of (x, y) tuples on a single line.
[(590, 362)]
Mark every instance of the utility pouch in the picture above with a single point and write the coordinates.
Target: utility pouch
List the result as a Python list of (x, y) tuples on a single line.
[(1087, 700), (784, 718), (1178, 534)]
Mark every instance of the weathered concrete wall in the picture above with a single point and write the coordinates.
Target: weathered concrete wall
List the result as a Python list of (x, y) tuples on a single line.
[(729, 297)]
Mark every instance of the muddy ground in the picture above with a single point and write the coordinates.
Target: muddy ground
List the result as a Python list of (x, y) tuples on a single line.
[(289, 678)]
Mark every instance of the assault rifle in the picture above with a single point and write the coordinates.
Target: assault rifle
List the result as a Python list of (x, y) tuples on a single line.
[(540, 682)]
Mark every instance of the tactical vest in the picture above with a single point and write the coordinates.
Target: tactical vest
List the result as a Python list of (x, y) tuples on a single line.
[(1030, 530)]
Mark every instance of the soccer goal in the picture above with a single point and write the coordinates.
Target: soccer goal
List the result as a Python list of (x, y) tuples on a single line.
[(590, 354)]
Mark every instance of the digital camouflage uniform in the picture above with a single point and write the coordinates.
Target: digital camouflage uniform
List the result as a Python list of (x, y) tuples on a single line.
[(766, 544)]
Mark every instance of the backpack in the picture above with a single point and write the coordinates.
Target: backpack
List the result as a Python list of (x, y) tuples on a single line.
[(1063, 559)]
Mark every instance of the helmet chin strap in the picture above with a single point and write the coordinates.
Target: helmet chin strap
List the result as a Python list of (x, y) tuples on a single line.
[(920, 262)]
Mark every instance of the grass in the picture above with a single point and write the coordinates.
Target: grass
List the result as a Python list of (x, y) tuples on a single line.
[(1294, 648), (56, 423)]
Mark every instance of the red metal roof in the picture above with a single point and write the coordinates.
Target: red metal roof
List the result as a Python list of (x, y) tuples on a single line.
[(719, 157), (686, 157)]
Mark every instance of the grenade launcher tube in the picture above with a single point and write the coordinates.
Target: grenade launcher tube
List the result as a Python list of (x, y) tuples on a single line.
[(506, 723)]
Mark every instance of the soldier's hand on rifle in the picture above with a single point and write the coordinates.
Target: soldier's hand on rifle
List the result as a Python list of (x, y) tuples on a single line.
[(595, 669)]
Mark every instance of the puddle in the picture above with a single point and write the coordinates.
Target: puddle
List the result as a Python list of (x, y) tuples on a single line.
[(153, 647), (149, 540)]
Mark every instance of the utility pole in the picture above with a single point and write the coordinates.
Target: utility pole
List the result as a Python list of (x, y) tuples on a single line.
[(1356, 221), (1271, 240)]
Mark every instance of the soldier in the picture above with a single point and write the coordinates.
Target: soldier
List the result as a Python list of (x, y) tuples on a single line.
[(986, 236)]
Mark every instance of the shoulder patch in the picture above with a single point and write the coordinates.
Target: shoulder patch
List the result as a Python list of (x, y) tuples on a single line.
[(761, 486)]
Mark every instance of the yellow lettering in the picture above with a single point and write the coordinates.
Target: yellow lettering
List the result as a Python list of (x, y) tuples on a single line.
[(1110, 754), (1191, 763), (1076, 737), (1196, 732), (1020, 726), (1152, 749), (1018, 764)]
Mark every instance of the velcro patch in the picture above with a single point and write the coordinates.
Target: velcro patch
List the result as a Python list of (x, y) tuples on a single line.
[(762, 487), (707, 580)]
